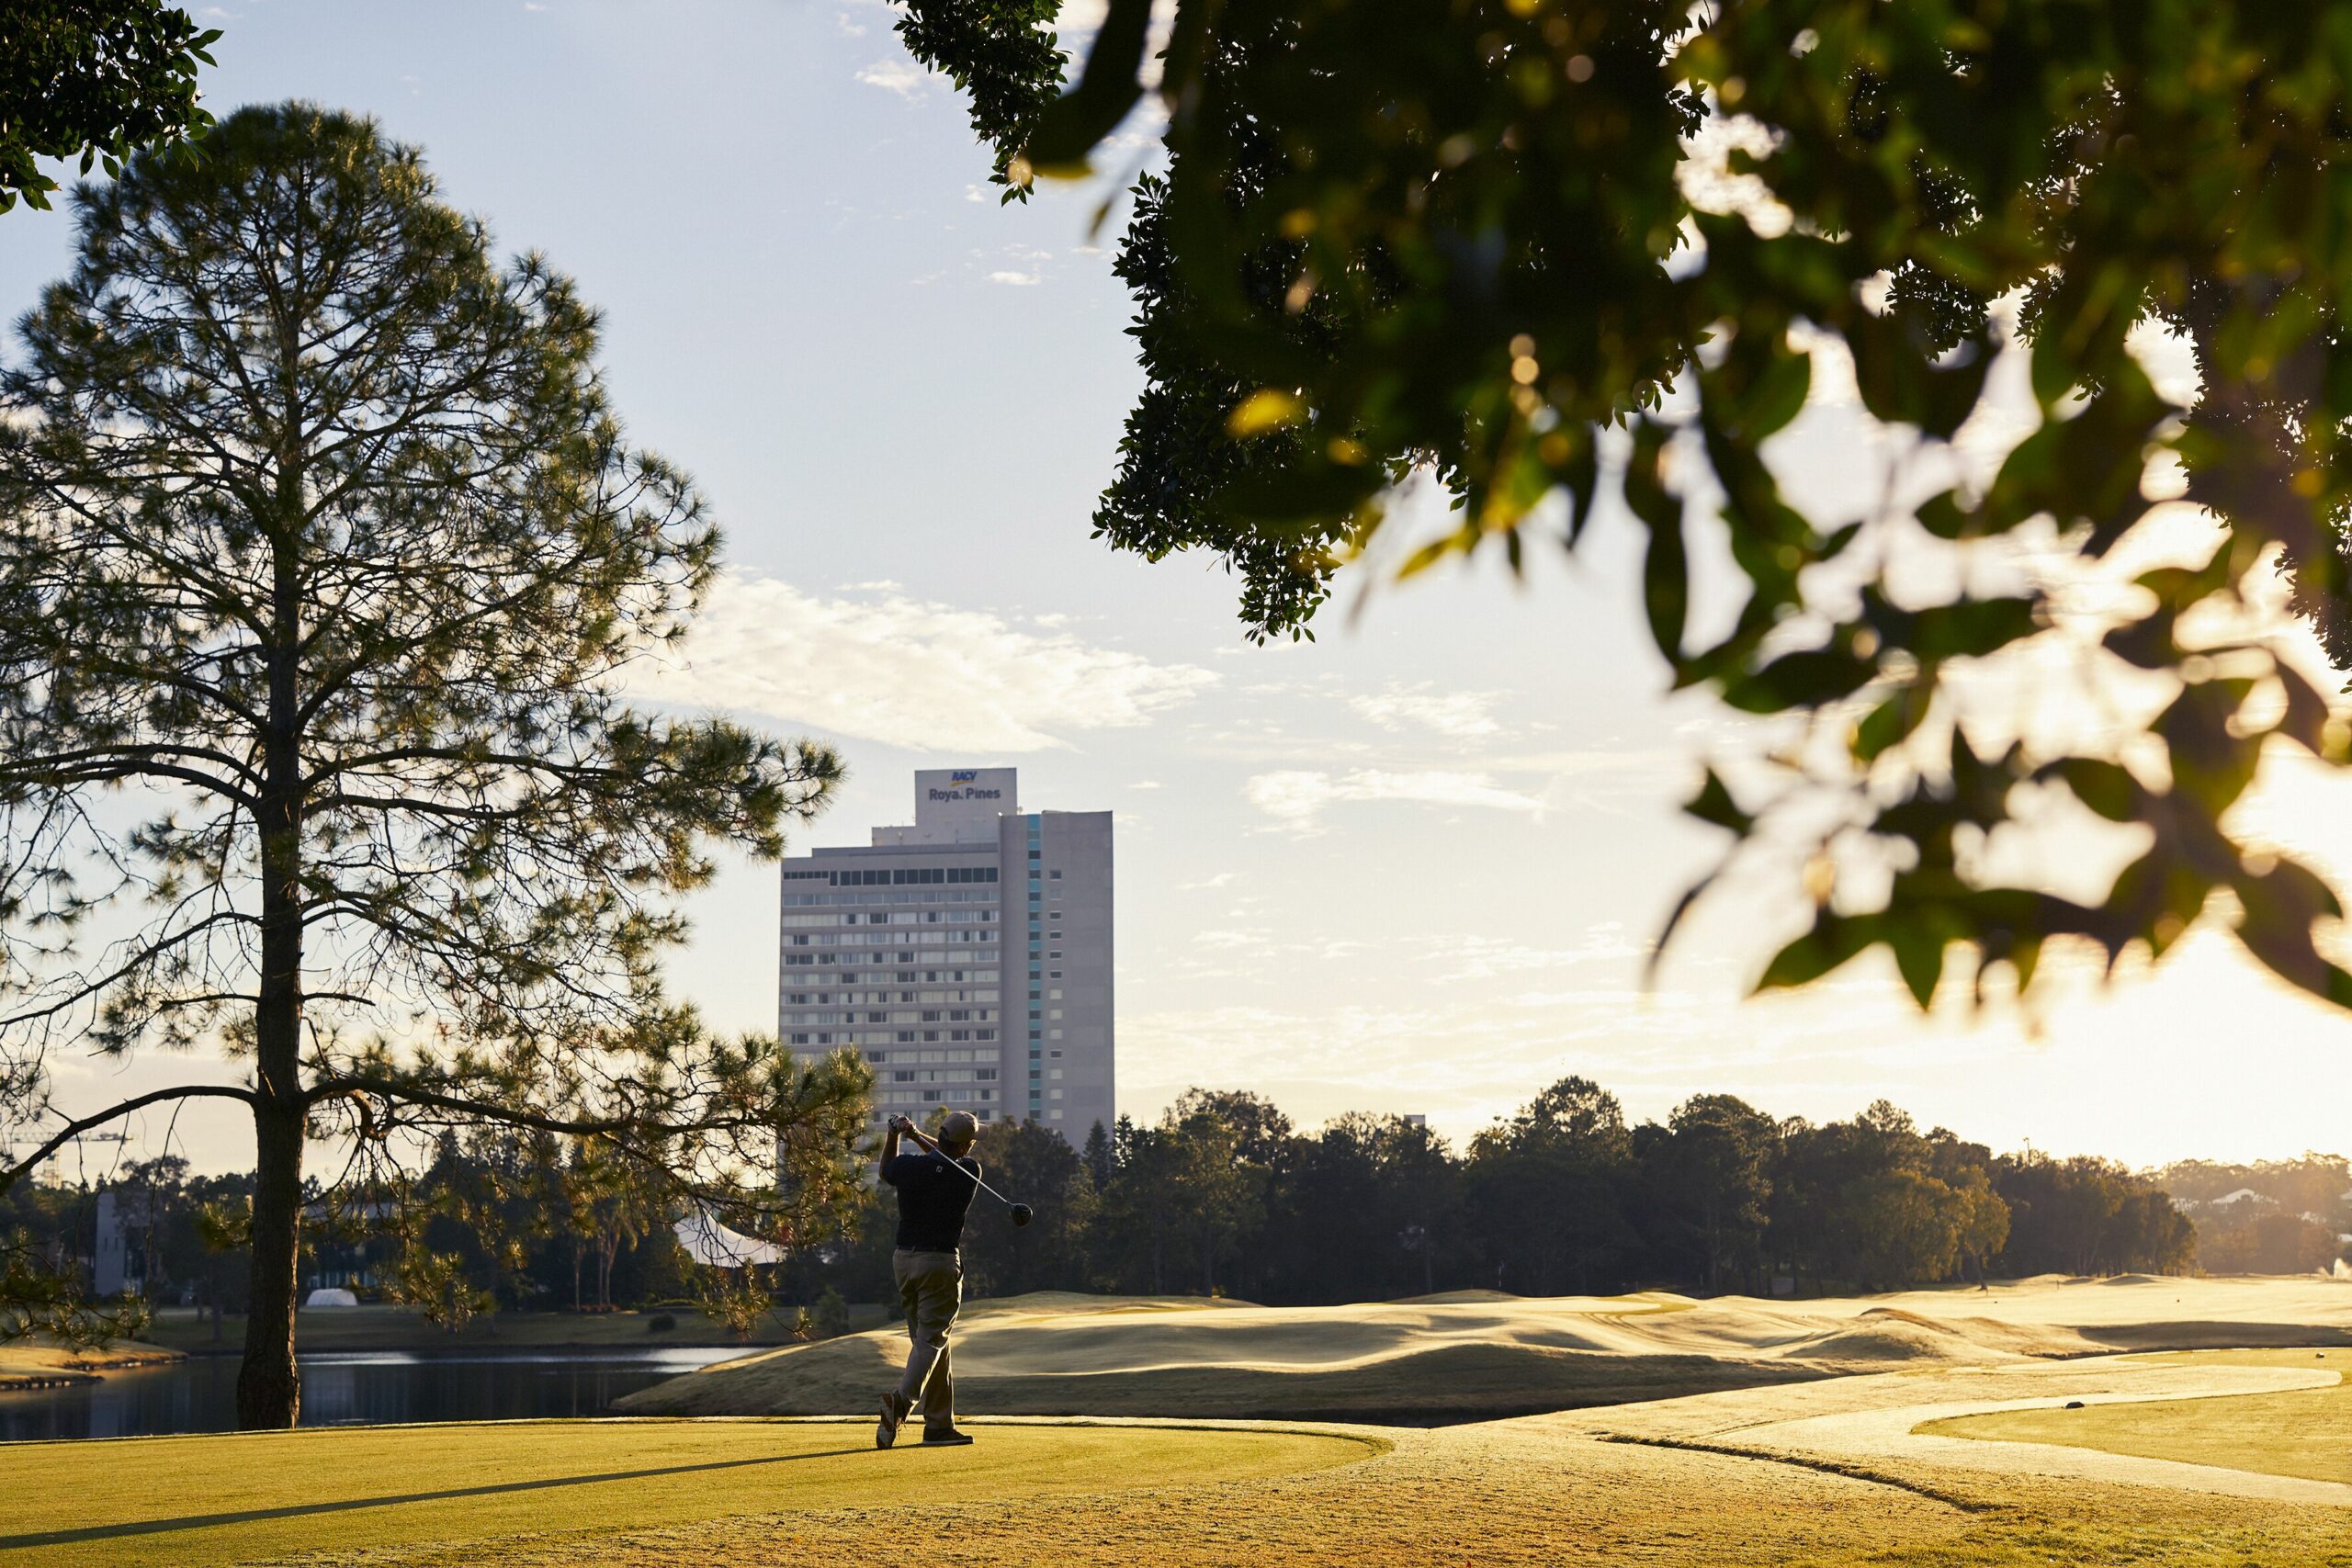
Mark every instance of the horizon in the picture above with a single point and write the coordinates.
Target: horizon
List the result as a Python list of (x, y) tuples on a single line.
[(1406, 868)]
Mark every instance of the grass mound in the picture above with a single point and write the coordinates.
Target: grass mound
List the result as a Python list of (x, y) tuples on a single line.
[(1466, 1355)]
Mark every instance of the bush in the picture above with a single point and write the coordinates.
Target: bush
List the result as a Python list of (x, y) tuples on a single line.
[(833, 1314), (660, 1323)]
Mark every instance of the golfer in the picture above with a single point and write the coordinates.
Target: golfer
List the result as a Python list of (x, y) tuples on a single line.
[(933, 1197)]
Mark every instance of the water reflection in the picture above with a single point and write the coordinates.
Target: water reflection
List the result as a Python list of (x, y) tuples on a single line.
[(344, 1388)]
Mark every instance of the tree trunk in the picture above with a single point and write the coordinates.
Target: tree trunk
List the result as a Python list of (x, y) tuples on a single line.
[(268, 1387)]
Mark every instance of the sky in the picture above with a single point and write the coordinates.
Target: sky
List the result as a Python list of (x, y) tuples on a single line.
[(1413, 866)]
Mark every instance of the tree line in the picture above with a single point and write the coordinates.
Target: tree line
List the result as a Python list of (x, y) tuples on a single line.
[(495, 1220), (2271, 1217), (1225, 1195)]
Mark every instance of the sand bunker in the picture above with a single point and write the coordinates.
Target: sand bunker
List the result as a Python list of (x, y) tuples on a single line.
[(1473, 1355)]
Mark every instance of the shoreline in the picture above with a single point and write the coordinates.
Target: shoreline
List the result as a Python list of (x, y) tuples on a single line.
[(472, 1348)]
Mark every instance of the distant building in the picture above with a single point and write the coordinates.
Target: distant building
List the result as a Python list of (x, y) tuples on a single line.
[(118, 1265), (965, 956)]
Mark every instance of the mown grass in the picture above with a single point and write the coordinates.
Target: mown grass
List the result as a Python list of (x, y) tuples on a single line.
[(195, 1502), (2305, 1432)]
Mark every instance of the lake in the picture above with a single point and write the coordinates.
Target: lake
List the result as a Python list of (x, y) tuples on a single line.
[(341, 1388)]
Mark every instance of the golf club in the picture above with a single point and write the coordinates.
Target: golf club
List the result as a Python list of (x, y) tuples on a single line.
[(1022, 1213)]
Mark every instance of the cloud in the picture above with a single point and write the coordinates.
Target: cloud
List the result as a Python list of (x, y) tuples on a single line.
[(903, 78), (1016, 280), (1474, 957), (881, 665), (1461, 716), (1297, 798), (847, 28)]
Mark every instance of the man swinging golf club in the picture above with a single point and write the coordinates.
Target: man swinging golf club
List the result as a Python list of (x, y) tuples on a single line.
[(935, 1184)]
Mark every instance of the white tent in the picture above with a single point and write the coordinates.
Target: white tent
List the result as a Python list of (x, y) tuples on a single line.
[(713, 1246)]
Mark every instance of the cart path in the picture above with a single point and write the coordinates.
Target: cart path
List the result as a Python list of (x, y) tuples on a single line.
[(1873, 1424)]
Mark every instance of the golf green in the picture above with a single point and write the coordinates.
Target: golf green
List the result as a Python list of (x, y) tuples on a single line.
[(190, 1501), (2305, 1433)]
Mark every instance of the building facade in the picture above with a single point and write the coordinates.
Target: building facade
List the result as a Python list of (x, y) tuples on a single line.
[(965, 956)]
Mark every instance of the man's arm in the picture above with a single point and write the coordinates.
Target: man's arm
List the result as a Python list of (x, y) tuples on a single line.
[(895, 1125)]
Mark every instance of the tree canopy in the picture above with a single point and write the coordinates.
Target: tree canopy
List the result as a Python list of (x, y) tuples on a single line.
[(1561, 1197), (1557, 252), (94, 79), (322, 560)]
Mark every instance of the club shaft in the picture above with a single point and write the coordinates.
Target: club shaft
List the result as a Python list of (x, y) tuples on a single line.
[(943, 1153)]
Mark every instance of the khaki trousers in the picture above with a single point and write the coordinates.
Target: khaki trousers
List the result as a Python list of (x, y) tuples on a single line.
[(931, 1289)]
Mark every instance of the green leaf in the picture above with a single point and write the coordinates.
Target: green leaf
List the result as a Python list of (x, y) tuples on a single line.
[(1074, 123), (1580, 475), (2107, 788), (1713, 804), (1893, 721), (1918, 955), (1899, 384), (1666, 582), (1832, 939), (1971, 628), (1800, 679)]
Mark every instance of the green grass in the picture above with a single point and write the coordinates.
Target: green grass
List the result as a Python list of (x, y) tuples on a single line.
[(2305, 1432), (404, 1328), (190, 1501)]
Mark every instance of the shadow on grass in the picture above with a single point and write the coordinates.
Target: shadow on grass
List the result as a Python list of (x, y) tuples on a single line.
[(300, 1510)]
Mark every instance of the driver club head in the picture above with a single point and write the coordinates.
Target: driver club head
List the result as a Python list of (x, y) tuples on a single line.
[(1022, 1213)]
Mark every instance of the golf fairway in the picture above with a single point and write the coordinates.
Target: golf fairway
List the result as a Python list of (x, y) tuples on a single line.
[(2305, 1433), (191, 1502)]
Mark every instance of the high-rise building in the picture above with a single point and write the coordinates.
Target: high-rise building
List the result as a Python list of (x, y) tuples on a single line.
[(967, 958)]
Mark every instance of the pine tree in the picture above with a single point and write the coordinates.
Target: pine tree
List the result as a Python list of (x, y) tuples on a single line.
[(321, 558), (1100, 1164)]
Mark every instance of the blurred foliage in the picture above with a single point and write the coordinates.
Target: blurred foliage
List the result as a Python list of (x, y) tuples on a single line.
[(96, 79), (1553, 251)]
